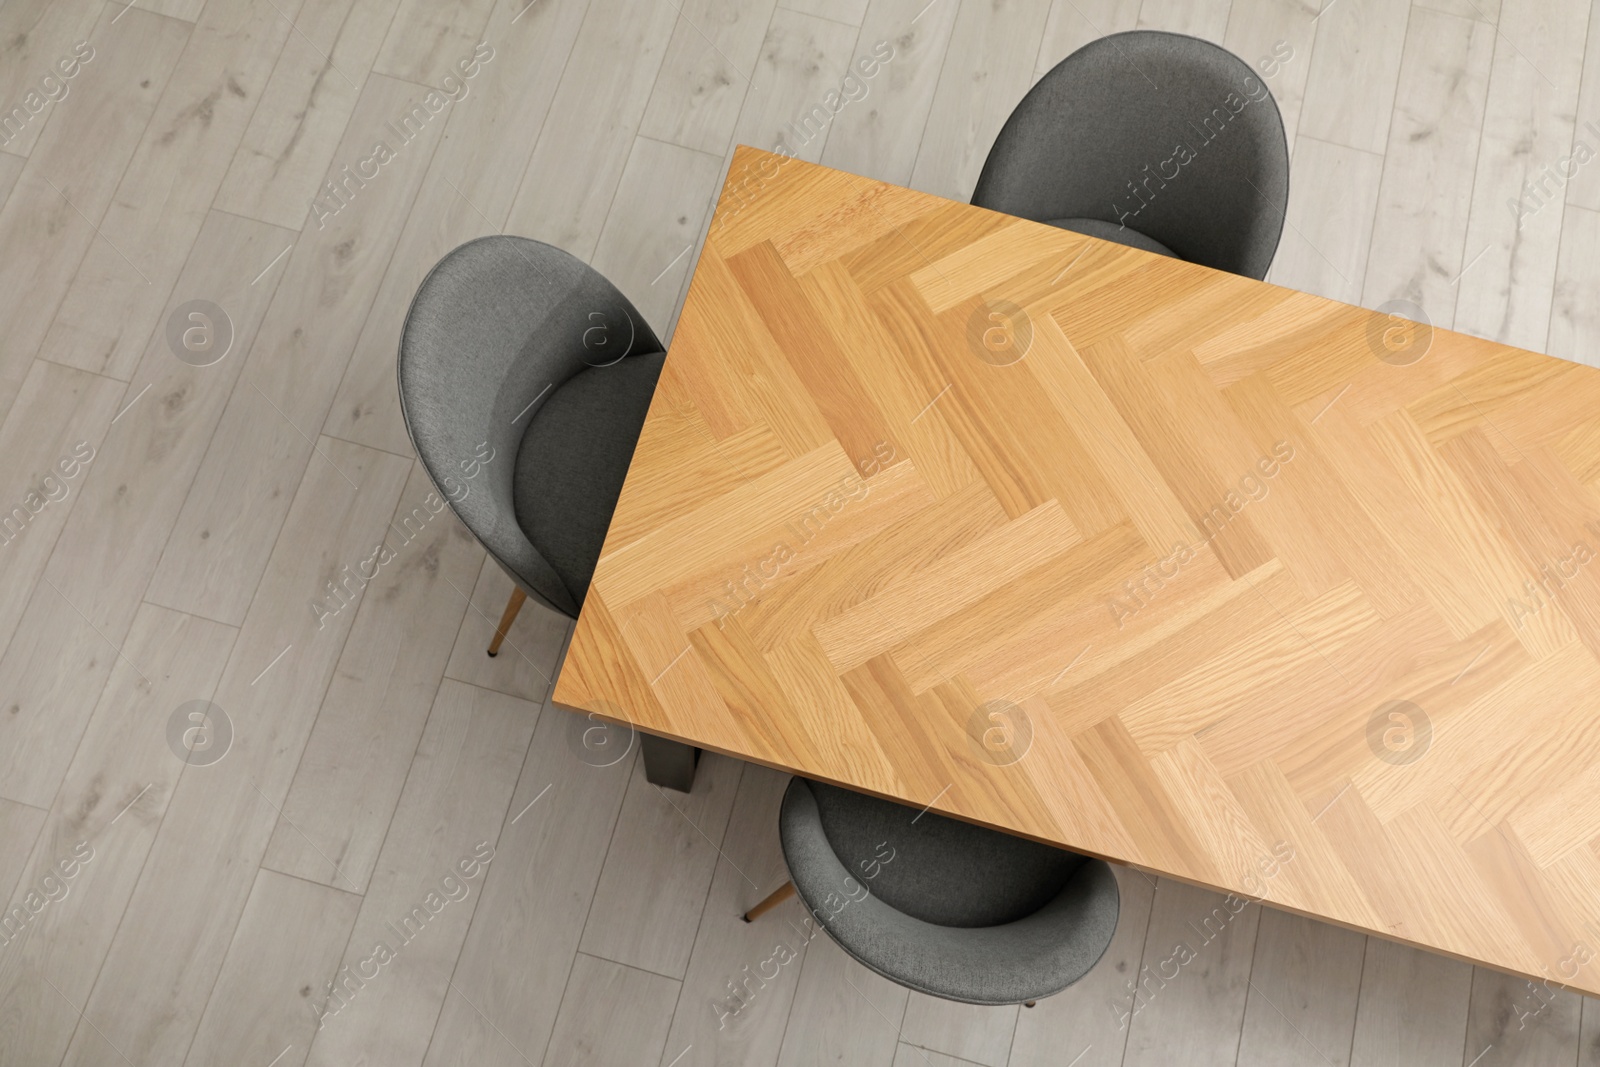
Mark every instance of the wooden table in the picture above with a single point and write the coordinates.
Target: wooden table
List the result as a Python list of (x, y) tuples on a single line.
[(1221, 580)]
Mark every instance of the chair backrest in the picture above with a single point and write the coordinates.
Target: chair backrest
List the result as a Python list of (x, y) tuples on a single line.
[(940, 870), (1161, 132), (496, 327)]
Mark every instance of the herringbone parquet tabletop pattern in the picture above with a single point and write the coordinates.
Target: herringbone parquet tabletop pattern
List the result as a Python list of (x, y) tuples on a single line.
[(1231, 582)]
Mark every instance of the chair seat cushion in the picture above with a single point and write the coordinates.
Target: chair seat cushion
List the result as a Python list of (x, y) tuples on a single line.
[(942, 871), (1035, 955), (573, 460), (1110, 231)]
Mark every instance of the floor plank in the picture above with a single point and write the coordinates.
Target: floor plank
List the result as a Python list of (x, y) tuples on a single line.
[(1206, 19), (591, 1030), (159, 437), (1074, 23), (263, 445), (35, 36), (288, 941), (467, 192), (879, 134), (72, 173), (706, 73), (1277, 38), (107, 812), (1416, 252), (1574, 322), (336, 814), (1328, 230), (1515, 1021), (426, 40), (532, 649), (848, 12), (1528, 123), (307, 105), (841, 1012), (711, 1020), (1413, 1008), (1589, 1046), (652, 890), (1304, 984), (972, 1032), (419, 905), (51, 439), (1350, 89), (507, 988), (802, 59), (1193, 979), (912, 1056), (19, 829), (1486, 11), (52, 674), (10, 170), (1580, 178), (114, 303), (987, 68), (180, 920), (584, 145), (647, 246)]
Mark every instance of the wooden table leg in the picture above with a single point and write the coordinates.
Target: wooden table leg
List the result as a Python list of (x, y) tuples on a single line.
[(669, 764)]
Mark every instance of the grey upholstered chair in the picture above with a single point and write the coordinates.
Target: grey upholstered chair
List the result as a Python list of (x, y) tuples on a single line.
[(1156, 140), (942, 906), (525, 377)]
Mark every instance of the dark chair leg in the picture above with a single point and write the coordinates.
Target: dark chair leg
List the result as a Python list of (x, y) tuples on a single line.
[(669, 764), (508, 617), (776, 897)]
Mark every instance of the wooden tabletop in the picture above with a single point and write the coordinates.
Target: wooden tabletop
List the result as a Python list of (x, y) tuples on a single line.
[(1240, 585)]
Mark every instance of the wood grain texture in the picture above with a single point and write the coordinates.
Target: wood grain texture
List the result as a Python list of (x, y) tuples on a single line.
[(1413, 1009), (334, 821), (1283, 644), (112, 800), (91, 672)]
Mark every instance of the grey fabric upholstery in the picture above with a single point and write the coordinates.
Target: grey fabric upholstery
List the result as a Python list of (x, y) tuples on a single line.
[(496, 330), (573, 460), (945, 872), (1107, 231), (1163, 133), (1028, 920)]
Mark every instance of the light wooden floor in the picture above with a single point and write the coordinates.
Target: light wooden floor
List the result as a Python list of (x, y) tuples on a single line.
[(375, 749)]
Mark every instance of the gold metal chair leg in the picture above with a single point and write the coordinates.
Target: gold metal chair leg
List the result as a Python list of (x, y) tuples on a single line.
[(778, 896), (513, 606)]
